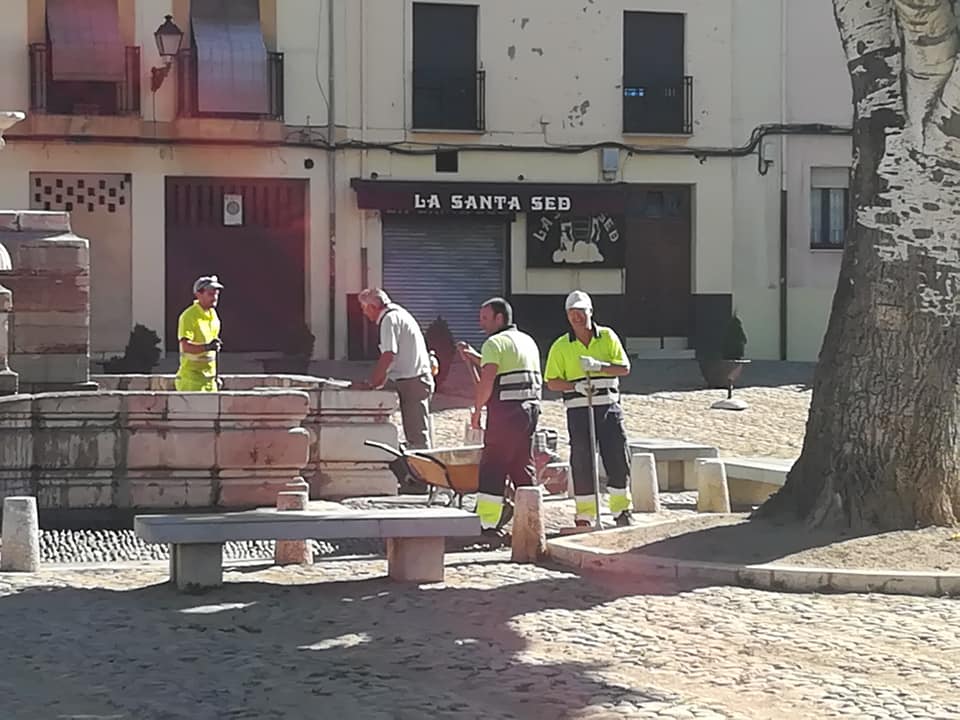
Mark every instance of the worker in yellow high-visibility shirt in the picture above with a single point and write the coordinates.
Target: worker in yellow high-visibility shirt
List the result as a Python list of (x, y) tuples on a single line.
[(198, 331), (594, 349), (509, 386)]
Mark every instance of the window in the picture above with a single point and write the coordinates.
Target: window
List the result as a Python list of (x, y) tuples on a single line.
[(84, 68), (447, 161), (657, 96), (227, 70), (829, 207), (448, 88)]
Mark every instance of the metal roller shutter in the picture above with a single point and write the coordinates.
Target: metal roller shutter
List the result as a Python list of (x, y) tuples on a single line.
[(440, 266)]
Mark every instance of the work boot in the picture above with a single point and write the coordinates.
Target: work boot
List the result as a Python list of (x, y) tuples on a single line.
[(497, 537), (625, 519), (506, 515)]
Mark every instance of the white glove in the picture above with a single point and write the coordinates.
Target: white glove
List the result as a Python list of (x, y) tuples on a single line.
[(590, 364), (582, 387)]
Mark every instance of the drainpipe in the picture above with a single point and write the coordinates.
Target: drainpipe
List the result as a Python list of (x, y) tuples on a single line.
[(783, 182), (332, 184), (364, 269)]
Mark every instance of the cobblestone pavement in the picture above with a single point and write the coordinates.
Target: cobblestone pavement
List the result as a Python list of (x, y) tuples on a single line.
[(498, 641), (99, 546)]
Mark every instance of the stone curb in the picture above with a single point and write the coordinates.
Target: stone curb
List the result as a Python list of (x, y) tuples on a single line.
[(784, 578)]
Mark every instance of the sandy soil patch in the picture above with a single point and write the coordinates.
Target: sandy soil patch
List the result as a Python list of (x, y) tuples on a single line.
[(735, 539)]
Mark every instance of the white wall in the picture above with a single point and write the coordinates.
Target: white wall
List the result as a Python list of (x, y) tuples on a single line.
[(544, 60), (557, 61)]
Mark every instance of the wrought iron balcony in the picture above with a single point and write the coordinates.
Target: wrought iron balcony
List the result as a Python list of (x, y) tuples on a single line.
[(188, 97), (71, 97), (658, 107), (444, 100)]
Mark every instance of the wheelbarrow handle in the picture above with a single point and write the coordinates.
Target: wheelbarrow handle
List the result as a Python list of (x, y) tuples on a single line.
[(386, 448)]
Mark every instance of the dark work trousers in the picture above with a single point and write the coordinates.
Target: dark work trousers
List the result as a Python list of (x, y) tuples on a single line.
[(508, 446), (614, 448)]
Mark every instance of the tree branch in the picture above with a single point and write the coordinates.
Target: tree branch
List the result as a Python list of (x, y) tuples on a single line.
[(931, 42), (865, 26), (872, 46)]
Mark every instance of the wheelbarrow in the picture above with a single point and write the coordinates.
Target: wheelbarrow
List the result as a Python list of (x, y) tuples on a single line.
[(454, 469)]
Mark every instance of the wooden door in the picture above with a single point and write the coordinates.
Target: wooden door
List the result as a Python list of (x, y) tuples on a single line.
[(261, 261), (659, 262)]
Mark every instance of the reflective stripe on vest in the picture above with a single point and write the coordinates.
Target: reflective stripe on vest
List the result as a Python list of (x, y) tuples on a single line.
[(203, 357), (518, 386), (606, 391)]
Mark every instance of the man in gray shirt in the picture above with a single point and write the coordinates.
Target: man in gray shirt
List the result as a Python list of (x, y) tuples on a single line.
[(404, 359)]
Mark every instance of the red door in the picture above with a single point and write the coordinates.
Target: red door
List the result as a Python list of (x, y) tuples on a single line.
[(260, 260)]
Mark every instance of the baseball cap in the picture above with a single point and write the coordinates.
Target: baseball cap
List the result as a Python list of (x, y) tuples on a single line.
[(207, 281), (579, 300)]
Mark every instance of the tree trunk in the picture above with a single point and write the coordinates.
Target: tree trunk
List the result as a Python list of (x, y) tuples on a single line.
[(881, 445)]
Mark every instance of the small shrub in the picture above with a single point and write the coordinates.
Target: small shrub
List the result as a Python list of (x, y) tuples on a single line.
[(441, 341), (734, 340), (301, 342), (140, 356)]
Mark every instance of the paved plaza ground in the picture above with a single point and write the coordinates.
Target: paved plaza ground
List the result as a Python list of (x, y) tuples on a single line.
[(497, 641)]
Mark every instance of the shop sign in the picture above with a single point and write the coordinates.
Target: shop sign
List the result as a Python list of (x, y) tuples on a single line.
[(558, 240), (456, 202)]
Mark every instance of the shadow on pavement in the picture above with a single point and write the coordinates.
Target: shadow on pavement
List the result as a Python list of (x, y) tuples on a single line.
[(754, 541), (341, 649)]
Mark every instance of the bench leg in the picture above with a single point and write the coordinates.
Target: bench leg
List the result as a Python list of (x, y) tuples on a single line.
[(415, 559), (196, 566), (675, 481)]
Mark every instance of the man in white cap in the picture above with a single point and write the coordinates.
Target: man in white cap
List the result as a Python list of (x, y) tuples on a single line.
[(198, 331), (594, 349), (404, 359)]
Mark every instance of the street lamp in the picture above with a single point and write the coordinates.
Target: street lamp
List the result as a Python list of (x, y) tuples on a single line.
[(169, 38)]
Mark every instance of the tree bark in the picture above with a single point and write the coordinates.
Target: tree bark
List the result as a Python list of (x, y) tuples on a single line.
[(881, 445)]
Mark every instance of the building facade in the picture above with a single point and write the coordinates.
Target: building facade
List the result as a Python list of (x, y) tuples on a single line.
[(524, 149)]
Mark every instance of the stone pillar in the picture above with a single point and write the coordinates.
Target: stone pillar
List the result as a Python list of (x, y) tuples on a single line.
[(50, 279), (7, 120), (9, 381), (20, 551), (644, 485), (713, 495), (293, 552), (529, 541), (472, 435)]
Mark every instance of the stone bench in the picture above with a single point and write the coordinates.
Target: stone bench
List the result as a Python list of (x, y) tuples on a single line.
[(752, 480), (676, 461), (414, 538)]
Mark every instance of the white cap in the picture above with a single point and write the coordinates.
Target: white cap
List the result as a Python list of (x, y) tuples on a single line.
[(207, 281), (579, 300)]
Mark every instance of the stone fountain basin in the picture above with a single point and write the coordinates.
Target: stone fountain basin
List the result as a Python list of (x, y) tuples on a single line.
[(156, 450)]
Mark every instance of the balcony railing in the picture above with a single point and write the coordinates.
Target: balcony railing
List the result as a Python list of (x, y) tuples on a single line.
[(70, 97), (444, 100), (188, 99), (665, 108)]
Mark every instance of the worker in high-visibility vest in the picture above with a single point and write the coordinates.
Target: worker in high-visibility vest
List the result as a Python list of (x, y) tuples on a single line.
[(198, 334), (510, 385), (594, 349)]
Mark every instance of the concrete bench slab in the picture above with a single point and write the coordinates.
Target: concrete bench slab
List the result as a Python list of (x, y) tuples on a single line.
[(676, 460), (752, 480), (415, 538)]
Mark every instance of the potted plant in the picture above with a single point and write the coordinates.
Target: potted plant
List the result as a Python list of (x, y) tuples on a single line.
[(722, 364), (299, 349), (140, 356)]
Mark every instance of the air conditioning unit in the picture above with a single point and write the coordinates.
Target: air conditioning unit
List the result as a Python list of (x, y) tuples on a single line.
[(232, 209)]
